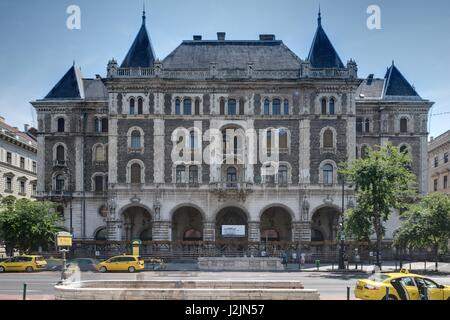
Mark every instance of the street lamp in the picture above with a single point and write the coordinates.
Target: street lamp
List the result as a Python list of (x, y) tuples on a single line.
[(341, 228)]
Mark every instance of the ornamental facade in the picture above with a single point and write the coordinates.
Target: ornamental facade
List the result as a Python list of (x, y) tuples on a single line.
[(106, 144)]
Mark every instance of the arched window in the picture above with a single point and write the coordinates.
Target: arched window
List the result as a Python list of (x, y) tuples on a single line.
[(61, 125), (222, 106), (266, 107), (132, 111), (276, 107), (324, 106), (193, 174), (283, 140), (282, 175), (328, 174), (177, 106), (367, 126), (403, 125), (140, 106), (60, 182), (187, 106), (99, 153), (105, 125), (404, 149), (197, 106), (332, 106), (179, 174), (231, 107), (135, 173), (286, 106), (328, 139), (101, 235), (136, 139), (60, 154), (241, 107)]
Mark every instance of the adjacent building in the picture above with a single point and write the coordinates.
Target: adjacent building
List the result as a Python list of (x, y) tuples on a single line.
[(439, 165), (18, 163), (106, 144)]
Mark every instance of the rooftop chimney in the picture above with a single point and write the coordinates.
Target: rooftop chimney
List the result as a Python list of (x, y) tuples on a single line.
[(267, 37), (97, 76), (197, 38), (26, 127), (221, 36)]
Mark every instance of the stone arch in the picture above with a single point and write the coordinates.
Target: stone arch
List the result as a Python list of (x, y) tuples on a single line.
[(187, 204), (187, 223), (322, 133), (321, 168), (325, 220), (276, 219), (101, 233), (231, 215), (280, 205), (55, 148), (137, 220)]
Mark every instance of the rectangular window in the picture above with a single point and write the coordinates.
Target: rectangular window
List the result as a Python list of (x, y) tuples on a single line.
[(445, 182), (436, 162), (22, 162), (446, 157), (8, 184), (34, 167), (22, 187), (359, 125), (435, 185), (9, 157), (33, 189), (180, 174), (98, 183), (105, 125)]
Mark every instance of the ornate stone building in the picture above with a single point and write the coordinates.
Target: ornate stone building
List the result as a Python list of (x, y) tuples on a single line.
[(439, 164), (106, 144)]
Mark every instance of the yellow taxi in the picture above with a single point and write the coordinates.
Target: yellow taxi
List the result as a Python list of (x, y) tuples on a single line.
[(23, 263), (122, 263), (400, 286)]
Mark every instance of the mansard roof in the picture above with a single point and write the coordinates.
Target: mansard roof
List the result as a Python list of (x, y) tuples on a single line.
[(234, 54), (69, 87), (322, 53), (396, 84), (141, 53)]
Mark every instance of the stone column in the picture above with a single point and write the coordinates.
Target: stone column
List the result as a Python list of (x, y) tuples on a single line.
[(40, 164), (209, 231), (112, 151), (305, 231), (158, 158), (304, 152), (296, 231), (79, 164), (161, 230), (254, 232)]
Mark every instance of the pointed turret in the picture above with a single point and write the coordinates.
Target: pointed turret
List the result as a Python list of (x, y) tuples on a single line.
[(69, 87), (322, 53), (141, 53), (396, 84)]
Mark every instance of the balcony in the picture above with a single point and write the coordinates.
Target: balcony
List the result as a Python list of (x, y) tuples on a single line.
[(59, 163), (231, 189)]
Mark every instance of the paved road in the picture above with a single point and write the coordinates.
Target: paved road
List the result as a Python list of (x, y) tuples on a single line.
[(331, 285)]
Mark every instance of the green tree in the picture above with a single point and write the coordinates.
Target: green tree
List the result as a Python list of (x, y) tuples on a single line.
[(383, 181), (26, 224), (426, 224)]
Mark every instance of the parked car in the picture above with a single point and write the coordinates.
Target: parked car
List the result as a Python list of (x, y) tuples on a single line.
[(23, 263), (122, 263), (402, 286)]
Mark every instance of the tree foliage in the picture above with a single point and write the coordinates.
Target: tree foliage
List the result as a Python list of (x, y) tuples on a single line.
[(26, 224), (383, 181), (426, 224)]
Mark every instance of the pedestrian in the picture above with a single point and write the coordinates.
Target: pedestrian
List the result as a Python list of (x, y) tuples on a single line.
[(284, 258)]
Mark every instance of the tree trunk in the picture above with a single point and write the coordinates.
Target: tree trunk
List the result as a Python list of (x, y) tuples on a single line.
[(379, 237), (436, 257)]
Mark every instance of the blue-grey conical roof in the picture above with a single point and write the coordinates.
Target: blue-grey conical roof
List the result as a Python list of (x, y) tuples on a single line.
[(141, 53), (397, 85), (69, 87), (322, 53)]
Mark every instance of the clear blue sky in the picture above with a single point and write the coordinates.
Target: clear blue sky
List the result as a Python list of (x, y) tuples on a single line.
[(36, 48)]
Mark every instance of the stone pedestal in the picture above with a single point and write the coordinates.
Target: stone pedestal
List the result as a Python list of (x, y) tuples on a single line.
[(304, 231), (209, 231), (254, 232), (113, 227)]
